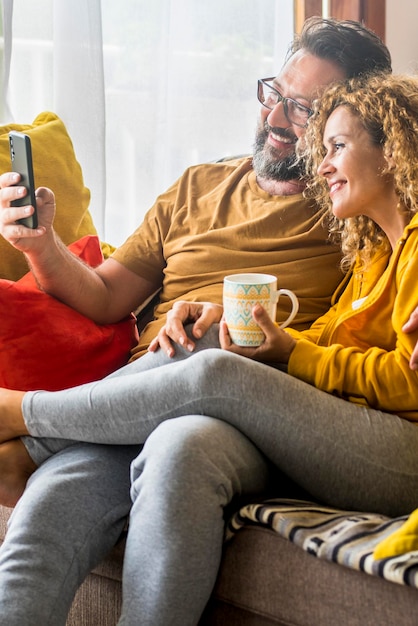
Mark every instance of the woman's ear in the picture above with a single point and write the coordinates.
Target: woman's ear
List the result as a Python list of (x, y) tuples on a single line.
[(390, 160)]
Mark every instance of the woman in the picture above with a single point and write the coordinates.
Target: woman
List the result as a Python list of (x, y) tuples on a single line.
[(342, 424)]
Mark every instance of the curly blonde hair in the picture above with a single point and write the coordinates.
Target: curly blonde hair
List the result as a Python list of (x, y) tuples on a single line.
[(387, 106)]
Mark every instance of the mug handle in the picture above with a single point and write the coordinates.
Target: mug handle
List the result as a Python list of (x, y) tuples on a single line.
[(295, 305)]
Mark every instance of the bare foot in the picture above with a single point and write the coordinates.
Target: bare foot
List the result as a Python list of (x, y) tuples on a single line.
[(12, 424), (16, 466)]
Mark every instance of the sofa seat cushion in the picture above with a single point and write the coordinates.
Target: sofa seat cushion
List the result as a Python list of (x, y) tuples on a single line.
[(344, 537), (266, 580)]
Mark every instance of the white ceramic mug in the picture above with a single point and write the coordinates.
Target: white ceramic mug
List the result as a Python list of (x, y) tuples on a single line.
[(241, 292)]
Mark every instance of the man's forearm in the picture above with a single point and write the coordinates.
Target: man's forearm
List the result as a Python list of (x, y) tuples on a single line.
[(65, 276)]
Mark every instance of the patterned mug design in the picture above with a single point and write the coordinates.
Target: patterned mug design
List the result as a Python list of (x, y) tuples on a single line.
[(241, 293)]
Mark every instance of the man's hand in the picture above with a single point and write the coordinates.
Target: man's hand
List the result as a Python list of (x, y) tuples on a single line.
[(203, 314), (25, 239), (276, 347), (409, 327)]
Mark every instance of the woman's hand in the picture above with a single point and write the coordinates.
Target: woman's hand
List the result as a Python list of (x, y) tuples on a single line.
[(276, 347), (203, 314), (410, 326), (25, 239)]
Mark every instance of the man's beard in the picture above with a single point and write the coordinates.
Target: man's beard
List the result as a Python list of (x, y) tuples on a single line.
[(268, 164)]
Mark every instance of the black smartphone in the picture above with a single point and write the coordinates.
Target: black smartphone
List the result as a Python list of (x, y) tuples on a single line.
[(21, 158)]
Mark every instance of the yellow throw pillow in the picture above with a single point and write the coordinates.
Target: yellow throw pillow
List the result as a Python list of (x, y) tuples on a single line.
[(56, 167), (402, 540)]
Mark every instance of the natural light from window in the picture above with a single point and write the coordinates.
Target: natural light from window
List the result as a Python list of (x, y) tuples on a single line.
[(180, 88)]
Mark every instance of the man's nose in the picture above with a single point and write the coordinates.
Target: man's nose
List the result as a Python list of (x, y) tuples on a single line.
[(277, 117)]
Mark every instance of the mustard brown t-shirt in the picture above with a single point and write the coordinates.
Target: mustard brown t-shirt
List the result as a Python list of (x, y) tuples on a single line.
[(215, 220)]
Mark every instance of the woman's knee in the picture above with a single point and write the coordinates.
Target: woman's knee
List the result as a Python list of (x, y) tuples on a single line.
[(213, 370)]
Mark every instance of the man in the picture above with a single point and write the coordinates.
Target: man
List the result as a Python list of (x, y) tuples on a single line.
[(217, 219)]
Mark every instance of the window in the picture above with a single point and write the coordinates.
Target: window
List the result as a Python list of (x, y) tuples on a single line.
[(180, 81), (149, 88)]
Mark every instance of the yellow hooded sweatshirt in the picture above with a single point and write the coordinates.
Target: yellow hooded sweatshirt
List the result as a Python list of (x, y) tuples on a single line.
[(357, 350)]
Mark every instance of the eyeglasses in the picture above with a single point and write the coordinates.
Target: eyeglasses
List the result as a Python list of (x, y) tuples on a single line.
[(295, 112)]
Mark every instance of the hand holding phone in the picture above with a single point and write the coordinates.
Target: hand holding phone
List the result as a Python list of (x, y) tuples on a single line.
[(21, 158)]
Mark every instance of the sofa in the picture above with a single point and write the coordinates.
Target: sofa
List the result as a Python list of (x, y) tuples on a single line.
[(265, 579), (287, 561)]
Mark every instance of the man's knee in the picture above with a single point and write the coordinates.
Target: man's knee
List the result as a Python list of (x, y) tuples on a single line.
[(178, 444), (197, 452)]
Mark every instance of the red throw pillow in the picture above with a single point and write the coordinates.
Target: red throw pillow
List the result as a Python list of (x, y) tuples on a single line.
[(44, 344)]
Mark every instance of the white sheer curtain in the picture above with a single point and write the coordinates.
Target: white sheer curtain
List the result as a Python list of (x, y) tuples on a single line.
[(78, 81), (6, 50), (145, 88), (57, 64)]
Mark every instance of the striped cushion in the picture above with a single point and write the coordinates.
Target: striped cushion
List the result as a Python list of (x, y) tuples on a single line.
[(344, 537)]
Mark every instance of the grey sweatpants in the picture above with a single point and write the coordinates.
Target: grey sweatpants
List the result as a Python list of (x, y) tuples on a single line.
[(76, 504), (340, 452), (189, 470)]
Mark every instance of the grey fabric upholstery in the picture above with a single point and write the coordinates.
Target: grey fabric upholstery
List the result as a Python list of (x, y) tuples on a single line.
[(264, 580)]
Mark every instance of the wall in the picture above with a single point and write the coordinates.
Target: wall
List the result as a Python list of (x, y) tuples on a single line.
[(401, 34)]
